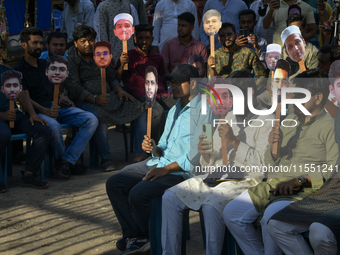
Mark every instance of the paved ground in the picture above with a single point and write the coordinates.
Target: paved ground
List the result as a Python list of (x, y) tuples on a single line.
[(70, 217)]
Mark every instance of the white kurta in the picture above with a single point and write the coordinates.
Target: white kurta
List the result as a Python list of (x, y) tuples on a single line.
[(165, 20), (253, 143)]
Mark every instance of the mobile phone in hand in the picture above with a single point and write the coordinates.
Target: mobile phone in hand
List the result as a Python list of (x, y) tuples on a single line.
[(244, 32), (208, 132)]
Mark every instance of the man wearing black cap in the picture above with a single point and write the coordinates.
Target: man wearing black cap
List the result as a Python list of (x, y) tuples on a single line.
[(131, 189)]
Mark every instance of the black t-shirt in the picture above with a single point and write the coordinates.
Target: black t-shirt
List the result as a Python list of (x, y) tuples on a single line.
[(36, 82)]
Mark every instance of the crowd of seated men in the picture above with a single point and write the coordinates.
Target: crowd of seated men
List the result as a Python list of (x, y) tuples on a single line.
[(174, 53)]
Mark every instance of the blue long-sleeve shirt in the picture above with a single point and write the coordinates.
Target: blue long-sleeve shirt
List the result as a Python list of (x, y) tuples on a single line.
[(180, 137)]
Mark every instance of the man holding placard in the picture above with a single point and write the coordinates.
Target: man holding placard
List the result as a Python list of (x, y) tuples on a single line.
[(57, 110), (85, 85), (33, 125), (232, 57)]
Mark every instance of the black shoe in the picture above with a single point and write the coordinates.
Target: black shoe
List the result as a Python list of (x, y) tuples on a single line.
[(32, 180), (63, 169), (4, 190), (121, 244), (107, 165), (137, 246), (77, 169)]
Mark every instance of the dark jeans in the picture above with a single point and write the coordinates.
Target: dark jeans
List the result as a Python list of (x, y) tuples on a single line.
[(40, 134), (130, 196)]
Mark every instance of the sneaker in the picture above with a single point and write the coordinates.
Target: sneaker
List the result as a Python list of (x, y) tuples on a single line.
[(63, 169), (137, 246), (107, 165), (121, 244), (77, 169), (32, 180)]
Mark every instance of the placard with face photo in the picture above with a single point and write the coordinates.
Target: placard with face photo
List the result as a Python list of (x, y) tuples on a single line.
[(11, 84), (151, 85), (273, 54), (281, 76), (123, 24), (294, 43), (57, 69), (102, 54), (212, 22)]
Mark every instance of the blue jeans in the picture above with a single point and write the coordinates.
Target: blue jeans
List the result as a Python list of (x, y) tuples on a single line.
[(85, 121), (101, 135)]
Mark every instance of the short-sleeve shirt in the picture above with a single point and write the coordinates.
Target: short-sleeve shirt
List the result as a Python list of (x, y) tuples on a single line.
[(36, 82), (175, 52), (280, 16)]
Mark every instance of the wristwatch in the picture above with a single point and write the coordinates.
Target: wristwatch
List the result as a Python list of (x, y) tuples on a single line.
[(302, 180)]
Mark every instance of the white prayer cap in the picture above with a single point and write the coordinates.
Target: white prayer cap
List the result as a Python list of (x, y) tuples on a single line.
[(123, 16), (289, 31), (273, 48)]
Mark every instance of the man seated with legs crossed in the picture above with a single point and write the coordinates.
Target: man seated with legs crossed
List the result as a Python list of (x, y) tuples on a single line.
[(305, 142), (247, 148), (40, 89), (131, 189)]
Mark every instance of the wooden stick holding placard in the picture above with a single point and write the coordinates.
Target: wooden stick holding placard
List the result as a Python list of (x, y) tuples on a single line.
[(224, 150), (11, 107), (212, 47), (275, 147), (126, 66), (148, 127), (56, 95), (103, 77), (302, 66)]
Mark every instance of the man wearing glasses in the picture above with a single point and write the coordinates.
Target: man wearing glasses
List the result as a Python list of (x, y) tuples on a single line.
[(102, 54), (36, 83)]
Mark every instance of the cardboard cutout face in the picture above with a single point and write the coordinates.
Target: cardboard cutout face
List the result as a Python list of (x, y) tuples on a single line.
[(271, 59), (334, 88), (102, 56), (12, 88), (57, 72), (211, 22), (123, 29), (295, 47), (151, 86), (280, 80), (219, 110)]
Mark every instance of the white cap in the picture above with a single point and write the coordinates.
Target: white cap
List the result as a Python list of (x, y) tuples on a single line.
[(123, 16), (273, 48), (289, 31)]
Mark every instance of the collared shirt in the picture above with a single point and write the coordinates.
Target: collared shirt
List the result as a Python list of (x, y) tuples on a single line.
[(36, 82), (229, 13), (280, 16), (175, 52), (107, 12), (134, 77), (304, 147), (180, 137), (165, 20), (84, 78), (44, 55), (83, 16), (96, 23), (242, 58)]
